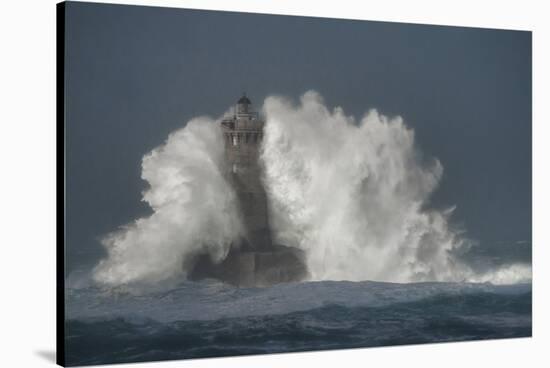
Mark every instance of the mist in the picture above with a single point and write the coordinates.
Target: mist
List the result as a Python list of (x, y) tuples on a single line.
[(354, 195)]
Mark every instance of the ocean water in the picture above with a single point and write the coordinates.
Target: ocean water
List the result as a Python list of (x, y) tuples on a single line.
[(210, 319)]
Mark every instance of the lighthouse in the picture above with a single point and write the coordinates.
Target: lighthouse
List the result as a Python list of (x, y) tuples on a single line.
[(254, 259), (243, 134)]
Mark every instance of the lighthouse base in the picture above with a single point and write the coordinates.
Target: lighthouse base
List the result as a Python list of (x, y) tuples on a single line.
[(252, 268)]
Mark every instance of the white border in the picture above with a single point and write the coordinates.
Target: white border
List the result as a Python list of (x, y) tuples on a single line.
[(27, 182)]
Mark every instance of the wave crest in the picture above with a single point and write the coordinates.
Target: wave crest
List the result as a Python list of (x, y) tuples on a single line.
[(353, 195), (194, 210)]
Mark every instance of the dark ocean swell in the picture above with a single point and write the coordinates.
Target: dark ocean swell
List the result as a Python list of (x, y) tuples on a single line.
[(197, 320)]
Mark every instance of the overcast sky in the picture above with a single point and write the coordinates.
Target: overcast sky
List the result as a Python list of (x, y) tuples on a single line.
[(134, 74)]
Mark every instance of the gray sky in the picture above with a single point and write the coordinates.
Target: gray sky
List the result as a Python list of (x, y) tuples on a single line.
[(134, 74)]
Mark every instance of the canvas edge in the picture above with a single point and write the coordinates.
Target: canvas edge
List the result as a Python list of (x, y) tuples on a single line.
[(60, 185)]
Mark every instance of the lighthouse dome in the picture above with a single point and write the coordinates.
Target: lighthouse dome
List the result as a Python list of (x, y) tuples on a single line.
[(244, 101), (243, 105)]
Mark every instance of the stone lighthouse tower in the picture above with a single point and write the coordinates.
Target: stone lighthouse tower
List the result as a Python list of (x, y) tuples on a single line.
[(243, 133), (253, 260)]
